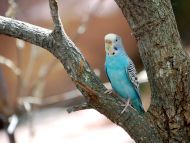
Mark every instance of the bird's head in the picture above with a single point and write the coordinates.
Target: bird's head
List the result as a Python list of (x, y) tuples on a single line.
[(113, 44)]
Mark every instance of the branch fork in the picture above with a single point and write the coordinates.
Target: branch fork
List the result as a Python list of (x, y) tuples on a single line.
[(59, 44)]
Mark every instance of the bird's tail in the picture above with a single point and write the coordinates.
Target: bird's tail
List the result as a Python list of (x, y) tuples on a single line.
[(141, 109), (138, 106)]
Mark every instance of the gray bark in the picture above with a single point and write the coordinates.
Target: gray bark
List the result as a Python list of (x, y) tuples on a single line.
[(164, 59), (168, 66)]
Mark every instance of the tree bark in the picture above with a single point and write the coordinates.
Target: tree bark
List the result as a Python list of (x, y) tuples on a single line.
[(167, 65), (167, 74)]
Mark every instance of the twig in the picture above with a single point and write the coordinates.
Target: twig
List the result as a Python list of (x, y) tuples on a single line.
[(55, 15), (34, 53), (7, 62), (11, 11), (58, 33), (29, 70), (78, 107), (19, 48), (85, 20), (52, 99), (39, 84), (58, 27), (3, 89)]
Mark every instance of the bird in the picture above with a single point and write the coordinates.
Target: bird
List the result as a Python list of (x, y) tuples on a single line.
[(121, 73)]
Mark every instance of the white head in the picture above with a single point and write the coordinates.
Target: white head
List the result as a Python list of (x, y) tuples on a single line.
[(113, 44)]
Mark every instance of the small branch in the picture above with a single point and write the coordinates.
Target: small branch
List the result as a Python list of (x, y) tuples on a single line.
[(12, 10), (3, 90), (27, 78), (19, 53), (55, 15), (39, 84), (70, 95), (86, 19), (78, 108), (10, 64), (58, 32)]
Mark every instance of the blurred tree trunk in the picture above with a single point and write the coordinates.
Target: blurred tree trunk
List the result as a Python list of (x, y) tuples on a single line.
[(168, 66)]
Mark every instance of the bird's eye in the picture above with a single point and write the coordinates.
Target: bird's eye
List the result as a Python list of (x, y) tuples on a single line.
[(116, 40), (115, 48)]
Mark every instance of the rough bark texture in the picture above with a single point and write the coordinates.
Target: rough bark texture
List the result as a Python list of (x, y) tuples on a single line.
[(91, 87), (167, 65), (161, 51)]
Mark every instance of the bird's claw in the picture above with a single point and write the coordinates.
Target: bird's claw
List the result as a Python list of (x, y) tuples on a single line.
[(127, 104), (124, 109)]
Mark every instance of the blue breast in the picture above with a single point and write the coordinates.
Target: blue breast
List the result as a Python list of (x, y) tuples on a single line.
[(116, 70)]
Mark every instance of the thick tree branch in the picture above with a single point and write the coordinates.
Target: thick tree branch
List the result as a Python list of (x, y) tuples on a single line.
[(140, 128), (25, 31), (167, 65)]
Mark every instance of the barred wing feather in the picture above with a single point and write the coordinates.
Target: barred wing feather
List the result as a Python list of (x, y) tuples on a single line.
[(133, 74)]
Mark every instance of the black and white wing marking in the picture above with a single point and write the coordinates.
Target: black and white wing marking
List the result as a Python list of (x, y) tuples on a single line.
[(133, 74)]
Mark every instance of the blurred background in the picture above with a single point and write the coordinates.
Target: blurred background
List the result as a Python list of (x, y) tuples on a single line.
[(35, 90)]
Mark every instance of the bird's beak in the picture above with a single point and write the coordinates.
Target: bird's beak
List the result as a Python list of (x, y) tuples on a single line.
[(109, 47)]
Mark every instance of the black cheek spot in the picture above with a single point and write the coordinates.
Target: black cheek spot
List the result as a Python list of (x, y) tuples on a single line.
[(115, 48)]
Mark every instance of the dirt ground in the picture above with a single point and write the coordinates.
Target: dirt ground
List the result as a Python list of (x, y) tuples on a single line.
[(57, 126)]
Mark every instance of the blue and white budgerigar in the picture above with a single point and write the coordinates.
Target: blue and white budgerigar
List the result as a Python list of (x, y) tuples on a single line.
[(121, 72)]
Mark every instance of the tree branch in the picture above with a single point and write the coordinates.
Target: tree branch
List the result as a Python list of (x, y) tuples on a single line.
[(25, 31), (78, 107), (140, 128), (166, 63)]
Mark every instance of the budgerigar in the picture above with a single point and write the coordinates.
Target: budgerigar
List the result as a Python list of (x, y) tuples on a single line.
[(121, 72)]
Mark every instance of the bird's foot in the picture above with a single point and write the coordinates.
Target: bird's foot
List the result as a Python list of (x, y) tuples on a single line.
[(108, 91), (127, 104)]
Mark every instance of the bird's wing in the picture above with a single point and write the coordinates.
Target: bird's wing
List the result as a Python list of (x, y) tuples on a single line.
[(131, 71), (133, 77), (107, 73)]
